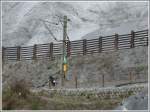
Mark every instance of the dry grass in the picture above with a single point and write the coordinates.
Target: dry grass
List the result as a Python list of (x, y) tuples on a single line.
[(83, 101), (18, 97)]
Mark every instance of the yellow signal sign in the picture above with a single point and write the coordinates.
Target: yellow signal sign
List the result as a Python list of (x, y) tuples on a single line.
[(65, 66)]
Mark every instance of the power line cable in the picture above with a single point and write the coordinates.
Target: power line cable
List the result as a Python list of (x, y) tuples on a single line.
[(50, 32)]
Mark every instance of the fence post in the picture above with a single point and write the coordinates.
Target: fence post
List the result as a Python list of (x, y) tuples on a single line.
[(103, 80), (116, 41), (100, 44), (132, 39), (34, 52), (51, 50), (76, 81), (68, 49), (18, 53), (130, 76), (3, 54), (84, 47)]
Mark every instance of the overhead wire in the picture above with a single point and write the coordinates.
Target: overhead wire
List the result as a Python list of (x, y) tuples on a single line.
[(51, 33), (53, 36)]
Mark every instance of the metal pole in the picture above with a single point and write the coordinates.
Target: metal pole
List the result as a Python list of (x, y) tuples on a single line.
[(103, 80), (64, 50)]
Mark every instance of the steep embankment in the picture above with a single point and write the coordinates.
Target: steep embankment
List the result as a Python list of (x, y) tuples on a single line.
[(117, 67)]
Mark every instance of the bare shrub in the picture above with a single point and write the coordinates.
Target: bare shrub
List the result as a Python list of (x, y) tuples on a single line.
[(15, 94), (20, 87)]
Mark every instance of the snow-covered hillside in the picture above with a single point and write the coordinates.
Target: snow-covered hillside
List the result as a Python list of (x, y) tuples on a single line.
[(25, 23)]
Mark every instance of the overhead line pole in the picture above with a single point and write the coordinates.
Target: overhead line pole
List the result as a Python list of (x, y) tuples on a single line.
[(64, 52), (64, 49)]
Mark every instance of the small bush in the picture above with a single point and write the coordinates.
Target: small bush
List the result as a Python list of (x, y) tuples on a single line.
[(141, 68), (20, 87), (15, 95), (49, 67)]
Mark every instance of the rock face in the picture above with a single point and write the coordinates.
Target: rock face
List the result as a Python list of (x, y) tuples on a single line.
[(128, 65), (22, 23), (136, 102)]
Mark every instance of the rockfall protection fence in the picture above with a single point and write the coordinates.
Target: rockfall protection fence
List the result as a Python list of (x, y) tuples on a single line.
[(78, 47)]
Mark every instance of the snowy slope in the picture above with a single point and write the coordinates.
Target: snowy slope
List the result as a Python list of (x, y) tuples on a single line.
[(23, 21)]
